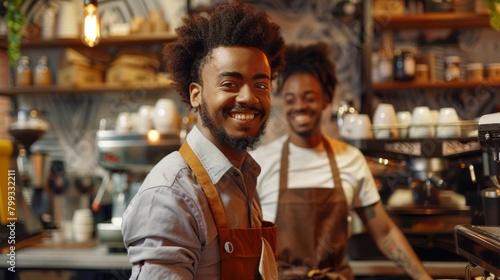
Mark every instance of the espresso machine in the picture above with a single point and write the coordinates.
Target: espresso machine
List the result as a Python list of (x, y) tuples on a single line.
[(480, 244), (128, 157)]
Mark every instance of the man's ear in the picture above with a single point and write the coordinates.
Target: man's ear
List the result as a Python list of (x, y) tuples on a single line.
[(195, 95)]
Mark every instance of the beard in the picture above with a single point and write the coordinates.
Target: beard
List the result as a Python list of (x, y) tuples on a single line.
[(238, 144)]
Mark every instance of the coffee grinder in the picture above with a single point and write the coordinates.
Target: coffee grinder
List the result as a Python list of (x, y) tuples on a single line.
[(32, 167)]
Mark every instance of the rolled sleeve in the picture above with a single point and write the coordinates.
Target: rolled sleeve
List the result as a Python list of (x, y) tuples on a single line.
[(160, 227)]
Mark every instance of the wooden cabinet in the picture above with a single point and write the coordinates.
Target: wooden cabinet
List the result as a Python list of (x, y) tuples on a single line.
[(153, 39)]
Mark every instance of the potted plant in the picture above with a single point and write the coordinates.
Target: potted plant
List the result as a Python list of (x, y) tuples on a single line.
[(15, 23), (494, 9)]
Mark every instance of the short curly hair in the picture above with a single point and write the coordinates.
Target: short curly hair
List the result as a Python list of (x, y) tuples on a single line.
[(228, 24), (311, 59)]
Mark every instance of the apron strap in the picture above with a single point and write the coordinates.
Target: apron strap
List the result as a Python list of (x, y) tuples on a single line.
[(208, 187), (285, 152)]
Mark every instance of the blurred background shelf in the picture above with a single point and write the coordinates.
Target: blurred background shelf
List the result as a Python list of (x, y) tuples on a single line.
[(143, 39), (13, 91), (432, 20), (433, 85)]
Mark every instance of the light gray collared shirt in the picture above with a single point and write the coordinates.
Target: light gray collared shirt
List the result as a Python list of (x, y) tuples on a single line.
[(168, 228)]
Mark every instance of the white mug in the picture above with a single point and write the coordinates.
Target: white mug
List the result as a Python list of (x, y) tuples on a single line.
[(144, 120), (347, 126), (404, 121), (422, 124), (361, 128), (166, 116), (124, 122), (383, 118), (448, 123)]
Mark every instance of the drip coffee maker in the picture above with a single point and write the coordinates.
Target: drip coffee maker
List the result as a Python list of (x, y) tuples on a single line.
[(32, 167)]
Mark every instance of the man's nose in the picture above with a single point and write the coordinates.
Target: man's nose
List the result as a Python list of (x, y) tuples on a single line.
[(247, 95)]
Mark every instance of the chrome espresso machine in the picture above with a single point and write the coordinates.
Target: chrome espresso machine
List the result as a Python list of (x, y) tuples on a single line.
[(480, 245), (128, 157)]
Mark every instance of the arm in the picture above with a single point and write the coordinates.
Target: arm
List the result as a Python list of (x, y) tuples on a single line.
[(160, 235), (391, 241)]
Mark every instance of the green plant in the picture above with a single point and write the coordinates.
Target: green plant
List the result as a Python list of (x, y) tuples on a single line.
[(494, 7), (15, 23)]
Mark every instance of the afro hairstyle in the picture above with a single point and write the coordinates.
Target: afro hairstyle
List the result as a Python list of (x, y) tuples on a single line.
[(311, 59), (228, 24)]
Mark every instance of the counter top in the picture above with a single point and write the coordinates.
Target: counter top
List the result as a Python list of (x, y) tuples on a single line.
[(98, 257)]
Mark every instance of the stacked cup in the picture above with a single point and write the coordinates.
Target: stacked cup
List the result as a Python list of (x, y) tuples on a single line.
[(422, 124), (83, 225), (385, 121), (166, 116), (448, 123)]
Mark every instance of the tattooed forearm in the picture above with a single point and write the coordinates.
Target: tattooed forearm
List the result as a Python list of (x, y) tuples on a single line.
[(400, 257), (368, 212)]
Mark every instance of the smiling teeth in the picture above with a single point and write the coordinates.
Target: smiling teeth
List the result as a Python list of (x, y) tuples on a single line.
[(244, 117), (301, 118)]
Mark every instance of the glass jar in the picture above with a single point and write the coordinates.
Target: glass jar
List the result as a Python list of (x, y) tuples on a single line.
[(475, 71), (494, 71), (422, 73), (404, 65), (452, 68), (43, 76), (23, 72)]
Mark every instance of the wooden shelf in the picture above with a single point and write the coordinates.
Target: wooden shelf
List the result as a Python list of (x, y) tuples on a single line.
[(431, 20), (12, 91), (143, 39), (393, 86)]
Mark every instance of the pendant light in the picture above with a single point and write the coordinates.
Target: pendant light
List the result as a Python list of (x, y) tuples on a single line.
[(91, 32)]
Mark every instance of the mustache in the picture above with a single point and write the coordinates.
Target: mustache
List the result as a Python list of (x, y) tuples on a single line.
[(239, 107)]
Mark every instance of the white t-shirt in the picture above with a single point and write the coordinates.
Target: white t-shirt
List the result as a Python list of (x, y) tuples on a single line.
[(310, 168)]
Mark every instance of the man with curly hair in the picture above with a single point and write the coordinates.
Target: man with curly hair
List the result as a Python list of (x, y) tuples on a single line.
[(309, 186), (196, 215)]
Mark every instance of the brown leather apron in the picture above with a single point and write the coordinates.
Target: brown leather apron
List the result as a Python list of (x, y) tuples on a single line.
[(312, 227), (239, 248)]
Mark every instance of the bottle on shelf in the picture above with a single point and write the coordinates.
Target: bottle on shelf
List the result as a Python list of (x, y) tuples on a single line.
[(404, 65), (43, 75), (23, 72)]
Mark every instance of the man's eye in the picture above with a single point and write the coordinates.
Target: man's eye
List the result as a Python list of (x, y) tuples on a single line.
[(229, 85), (262, 86)]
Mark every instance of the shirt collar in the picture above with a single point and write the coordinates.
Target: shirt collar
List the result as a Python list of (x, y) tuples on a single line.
[(213, 160)]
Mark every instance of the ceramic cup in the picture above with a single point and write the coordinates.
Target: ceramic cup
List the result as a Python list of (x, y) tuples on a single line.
[(124, 122), (421, 123), (166, 116), (347, 126), (361, 128), (448, 123), (404, 121), (83, 225), (144, 120), (383, 118)]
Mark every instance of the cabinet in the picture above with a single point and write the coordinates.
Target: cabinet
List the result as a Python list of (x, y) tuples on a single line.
[(384, 26), (110, 42)]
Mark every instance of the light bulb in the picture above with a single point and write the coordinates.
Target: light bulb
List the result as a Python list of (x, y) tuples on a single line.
[(91, 27)]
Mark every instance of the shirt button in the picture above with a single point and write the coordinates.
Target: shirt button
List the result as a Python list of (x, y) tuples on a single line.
[(228, 247)]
